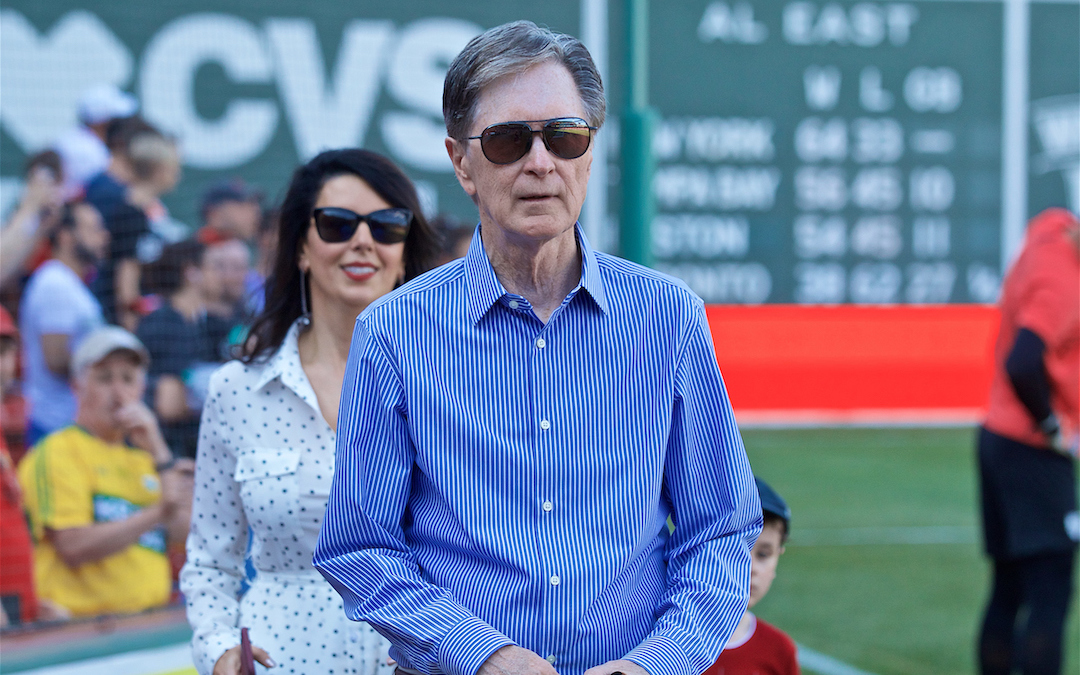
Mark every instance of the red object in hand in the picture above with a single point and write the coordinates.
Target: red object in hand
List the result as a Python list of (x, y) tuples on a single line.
[(247, 661)]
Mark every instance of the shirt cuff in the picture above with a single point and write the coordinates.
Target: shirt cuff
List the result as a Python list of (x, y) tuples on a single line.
[(468, 644), (207, 649), (660, 655)]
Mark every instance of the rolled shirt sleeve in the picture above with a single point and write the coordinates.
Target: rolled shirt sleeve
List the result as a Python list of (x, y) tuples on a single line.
[(213, 573)]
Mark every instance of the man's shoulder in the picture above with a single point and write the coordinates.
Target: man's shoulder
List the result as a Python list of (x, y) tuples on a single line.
[(125, 219), (104, 192), (165, 327), (54, 285), (55, 291), (163, 316), (66, 443), (52, 272), (79, 142), (625, 280)]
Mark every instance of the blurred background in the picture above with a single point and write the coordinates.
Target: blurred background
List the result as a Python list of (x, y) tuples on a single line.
[(806, 152), (844, 183)]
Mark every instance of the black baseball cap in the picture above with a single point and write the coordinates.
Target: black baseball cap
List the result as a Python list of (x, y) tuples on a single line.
[(772, 503)]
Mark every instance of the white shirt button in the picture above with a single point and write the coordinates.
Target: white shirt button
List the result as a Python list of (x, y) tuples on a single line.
[(548, 506), (513, 304), (540, 343), (555, 580), (551, 659), (545, 425)]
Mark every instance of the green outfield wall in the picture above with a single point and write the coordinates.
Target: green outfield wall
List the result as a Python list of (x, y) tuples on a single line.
[(805, 152)]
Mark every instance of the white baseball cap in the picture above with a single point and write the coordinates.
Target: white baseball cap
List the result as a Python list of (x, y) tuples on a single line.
[(104, 102), (103, 342)]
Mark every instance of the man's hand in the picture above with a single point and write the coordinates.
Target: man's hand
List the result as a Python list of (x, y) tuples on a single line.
[(177, 486), (1068, 446), (141, 427), (43, 192), (1059, 440), (619, 666), (514, 660)]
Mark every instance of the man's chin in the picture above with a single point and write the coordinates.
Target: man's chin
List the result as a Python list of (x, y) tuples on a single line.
[(542, 226)]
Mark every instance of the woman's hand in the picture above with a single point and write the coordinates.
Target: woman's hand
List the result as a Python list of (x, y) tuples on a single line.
[(229, 663)]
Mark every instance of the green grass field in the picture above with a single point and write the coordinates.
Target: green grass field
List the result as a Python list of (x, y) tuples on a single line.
[(884, 570)]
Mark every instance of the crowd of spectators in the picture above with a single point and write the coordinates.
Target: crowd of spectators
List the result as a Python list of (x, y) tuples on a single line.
[(91, 256), (114, 315)]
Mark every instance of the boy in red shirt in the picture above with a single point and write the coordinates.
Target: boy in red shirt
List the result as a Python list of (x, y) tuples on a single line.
[(756, 647)]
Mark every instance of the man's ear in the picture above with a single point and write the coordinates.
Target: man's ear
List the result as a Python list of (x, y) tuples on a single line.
[(459, 157)]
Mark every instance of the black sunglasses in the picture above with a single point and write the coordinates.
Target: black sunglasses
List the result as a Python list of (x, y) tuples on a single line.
[(506, 143), (388, 226)]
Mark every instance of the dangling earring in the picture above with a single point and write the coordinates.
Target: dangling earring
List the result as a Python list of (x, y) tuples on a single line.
[(305, 313)]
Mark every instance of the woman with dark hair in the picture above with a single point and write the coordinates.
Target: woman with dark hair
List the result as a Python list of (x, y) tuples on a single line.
[(350, 230)]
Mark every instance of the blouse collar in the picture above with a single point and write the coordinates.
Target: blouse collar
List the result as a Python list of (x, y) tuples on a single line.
[(284, 364)]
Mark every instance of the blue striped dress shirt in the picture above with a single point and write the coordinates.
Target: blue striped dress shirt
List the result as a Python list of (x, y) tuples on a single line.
[(499, 480)]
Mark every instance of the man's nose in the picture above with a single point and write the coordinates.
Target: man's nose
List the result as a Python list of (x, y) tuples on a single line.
[(539, 158)]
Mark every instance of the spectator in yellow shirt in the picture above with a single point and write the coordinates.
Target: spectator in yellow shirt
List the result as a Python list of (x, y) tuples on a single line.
[(105, 495)]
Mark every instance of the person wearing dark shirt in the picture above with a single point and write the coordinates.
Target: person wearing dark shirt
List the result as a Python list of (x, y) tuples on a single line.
[(144, 165), (17, 598), (107, 192), (182, 351)]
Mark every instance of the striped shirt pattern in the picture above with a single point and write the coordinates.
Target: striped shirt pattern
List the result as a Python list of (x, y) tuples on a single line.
[(502, 481)]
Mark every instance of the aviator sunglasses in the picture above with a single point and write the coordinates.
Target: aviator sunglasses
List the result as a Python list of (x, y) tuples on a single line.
[(388, 226), (506, 143)]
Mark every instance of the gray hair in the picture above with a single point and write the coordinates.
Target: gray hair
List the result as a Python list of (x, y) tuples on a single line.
[(511, 49)]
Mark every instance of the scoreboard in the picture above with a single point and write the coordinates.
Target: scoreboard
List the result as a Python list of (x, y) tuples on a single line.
[(858, 152)]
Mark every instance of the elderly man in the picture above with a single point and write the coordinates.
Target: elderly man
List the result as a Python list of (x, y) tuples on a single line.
[(518, 427), (102, 510)]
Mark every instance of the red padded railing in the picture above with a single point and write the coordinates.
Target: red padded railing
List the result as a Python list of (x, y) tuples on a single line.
[(851, 364)]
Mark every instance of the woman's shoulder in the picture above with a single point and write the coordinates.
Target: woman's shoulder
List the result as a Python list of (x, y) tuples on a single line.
[(236, 377)]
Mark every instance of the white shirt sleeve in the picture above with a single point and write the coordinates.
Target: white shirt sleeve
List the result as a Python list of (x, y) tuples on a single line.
[(212, 576)]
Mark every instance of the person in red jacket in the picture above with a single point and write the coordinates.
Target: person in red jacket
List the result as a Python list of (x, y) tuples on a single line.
[(1027, 450), (757, 647), (16, 552)]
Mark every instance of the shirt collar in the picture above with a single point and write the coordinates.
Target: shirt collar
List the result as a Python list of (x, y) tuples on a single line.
[(483, 288), (284, 361), (284, 364)]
